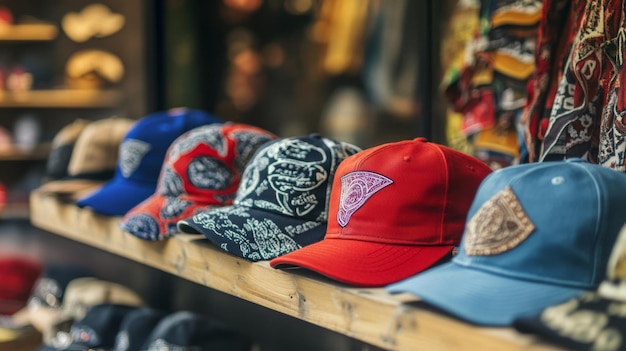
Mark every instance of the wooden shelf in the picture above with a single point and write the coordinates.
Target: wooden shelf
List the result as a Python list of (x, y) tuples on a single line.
[(39, 152), (369, 315), (60, 98), (28, 32), (15, 211)]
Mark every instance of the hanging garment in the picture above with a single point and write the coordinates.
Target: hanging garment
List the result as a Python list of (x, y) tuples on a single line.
[(586, 119), (490, 89)]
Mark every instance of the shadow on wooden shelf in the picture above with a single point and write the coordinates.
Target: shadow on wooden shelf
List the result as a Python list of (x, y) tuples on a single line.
[(369, 315)]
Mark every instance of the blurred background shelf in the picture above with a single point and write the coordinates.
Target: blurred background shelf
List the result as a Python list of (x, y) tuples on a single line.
[(19, 211), (14, 153), (28, 32), (60, 98)]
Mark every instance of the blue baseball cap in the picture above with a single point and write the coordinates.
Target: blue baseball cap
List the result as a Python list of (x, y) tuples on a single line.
[(282, 200), (536, 235), (141, 156)]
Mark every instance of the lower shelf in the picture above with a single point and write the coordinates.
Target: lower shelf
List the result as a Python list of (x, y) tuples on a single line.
[(368, 315)]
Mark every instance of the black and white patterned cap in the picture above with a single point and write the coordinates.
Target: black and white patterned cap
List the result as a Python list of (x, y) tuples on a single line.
[(282, 201)]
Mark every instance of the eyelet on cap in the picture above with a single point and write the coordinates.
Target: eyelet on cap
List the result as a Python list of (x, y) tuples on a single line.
[(557, 180)]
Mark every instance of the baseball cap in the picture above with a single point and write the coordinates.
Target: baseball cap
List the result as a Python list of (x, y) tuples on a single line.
[(282, 201), (136, 327), (80, 295), (202, 169), (62, 148), (536, 235), (17, 278), (97, 329), (592, 320), (93, 158), (141, 155), (185, 330), (48, 291), (395, 210)]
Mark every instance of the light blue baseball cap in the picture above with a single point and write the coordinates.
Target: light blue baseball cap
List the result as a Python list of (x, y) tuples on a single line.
[(536, 235)]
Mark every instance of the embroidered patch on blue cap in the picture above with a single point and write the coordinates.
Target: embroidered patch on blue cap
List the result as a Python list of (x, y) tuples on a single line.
[(500, 225)]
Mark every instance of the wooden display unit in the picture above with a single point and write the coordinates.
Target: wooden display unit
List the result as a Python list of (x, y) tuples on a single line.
[(28, 32), (60, 98), (14, 153), (366, 314)]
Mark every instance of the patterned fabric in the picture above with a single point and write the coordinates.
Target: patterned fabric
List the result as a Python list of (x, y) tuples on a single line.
[(282, 201), (489, 90), (576, 109), (554, 41), (202, 169)]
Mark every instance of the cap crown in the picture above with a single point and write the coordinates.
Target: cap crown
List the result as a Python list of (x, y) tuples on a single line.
[(205, 164), (408, 192), (50, 287), (83, 293), (293, 176), (99, 327), (184, 330), (554, 222), (136, 327), (62, 149), (96, 150), (17, 277), (142, 151)]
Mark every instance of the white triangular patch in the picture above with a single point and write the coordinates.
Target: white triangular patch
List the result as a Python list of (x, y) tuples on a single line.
[(356, 188)]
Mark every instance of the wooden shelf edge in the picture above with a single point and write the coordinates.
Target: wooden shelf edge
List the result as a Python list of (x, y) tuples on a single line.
[(369, 315), (60, 98)]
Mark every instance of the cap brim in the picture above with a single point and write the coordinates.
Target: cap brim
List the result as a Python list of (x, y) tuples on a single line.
[(253, 234), (64, 187), (156, 217), (20, 319), (481, 297), (117, 197), (363, 263), (45, 318)]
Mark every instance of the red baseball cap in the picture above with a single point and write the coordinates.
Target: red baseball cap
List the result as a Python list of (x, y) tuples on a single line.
[(202, 169), (395, 210), (17, 278)]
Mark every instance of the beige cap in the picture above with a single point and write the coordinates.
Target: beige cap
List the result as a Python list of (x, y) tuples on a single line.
[(62, 148), (95, 20), (92, 68), (94, 157), (80, 295)]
